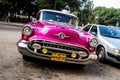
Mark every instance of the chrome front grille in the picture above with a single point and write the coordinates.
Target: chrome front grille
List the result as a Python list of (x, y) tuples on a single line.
[(56, 47)]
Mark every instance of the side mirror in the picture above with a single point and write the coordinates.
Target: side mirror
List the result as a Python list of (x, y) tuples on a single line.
[(94, 33)]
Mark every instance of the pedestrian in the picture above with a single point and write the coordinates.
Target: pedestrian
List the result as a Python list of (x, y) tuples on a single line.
[(8, 17)]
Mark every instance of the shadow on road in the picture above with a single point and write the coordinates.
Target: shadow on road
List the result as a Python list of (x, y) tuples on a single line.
[(50, 67), (112, 64), (53, 64)]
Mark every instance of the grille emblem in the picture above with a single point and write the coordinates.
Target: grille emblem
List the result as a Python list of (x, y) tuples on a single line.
[(61, 35)]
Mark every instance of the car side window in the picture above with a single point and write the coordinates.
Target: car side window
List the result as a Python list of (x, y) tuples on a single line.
[(93, 30), (87, 28)]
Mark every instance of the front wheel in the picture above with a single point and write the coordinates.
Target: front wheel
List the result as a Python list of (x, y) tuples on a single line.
[(101, 54)]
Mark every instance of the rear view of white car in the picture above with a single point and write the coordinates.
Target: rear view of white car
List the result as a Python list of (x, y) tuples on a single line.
[(109, 42)]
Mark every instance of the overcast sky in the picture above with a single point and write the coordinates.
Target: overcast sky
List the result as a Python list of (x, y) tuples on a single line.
[(107, 3)]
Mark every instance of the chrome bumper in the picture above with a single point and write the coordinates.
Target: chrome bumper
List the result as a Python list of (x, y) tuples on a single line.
[(23, 49)]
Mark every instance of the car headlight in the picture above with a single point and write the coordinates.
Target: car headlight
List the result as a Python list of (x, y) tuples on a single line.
[(93, 42), (27, 31), (116, 50)]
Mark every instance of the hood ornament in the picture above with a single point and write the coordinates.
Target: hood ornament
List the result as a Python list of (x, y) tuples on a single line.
[(61, 35)]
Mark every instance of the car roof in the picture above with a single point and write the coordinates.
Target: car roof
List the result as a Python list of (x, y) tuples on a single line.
[(59, 12), (99, 25)]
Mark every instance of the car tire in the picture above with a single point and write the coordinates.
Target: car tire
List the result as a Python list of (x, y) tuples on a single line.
[(101, 54)]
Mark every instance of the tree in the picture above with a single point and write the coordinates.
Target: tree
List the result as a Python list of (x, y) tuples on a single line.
[(74, 5), (85, 12), (51, 4), (23, 6), (4, 7), (106, 16), (31, 7)]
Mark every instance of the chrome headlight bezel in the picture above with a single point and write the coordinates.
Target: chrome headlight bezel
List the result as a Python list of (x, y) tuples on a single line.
[(83, 54), (93, 42), (27, 31)]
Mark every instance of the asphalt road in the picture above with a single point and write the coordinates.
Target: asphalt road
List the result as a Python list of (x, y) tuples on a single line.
[(13, 67)]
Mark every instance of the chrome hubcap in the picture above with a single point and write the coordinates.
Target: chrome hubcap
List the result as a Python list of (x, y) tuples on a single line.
[(100, 54)]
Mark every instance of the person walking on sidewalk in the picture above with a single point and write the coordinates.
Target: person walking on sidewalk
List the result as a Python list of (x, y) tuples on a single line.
[(8, 17)]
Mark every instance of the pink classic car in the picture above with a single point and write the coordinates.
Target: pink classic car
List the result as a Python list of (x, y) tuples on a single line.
[(55, 36)]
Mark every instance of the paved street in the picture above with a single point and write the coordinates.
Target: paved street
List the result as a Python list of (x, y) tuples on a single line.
[(13, 67)]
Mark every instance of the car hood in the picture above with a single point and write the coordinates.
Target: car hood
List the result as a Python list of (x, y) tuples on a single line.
[(50, 31), (113, 41)]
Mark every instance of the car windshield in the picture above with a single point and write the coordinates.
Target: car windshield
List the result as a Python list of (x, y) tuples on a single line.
[(59, 17), (109, 32)]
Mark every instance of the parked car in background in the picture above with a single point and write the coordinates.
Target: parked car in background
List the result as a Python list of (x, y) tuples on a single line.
[(108, 47), (55, 36)]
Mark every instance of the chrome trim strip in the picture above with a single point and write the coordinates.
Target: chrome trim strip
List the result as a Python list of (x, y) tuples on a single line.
[(58, 49), (60, 44)]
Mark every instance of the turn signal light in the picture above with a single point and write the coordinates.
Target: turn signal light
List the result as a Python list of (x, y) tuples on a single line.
[(91, 49), (44, 50), (25, 37), (73, 55)]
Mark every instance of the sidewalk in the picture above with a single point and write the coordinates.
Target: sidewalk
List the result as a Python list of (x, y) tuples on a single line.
[(11, 23)]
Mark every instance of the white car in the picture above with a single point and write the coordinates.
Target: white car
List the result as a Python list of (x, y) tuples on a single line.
[(109, 42)]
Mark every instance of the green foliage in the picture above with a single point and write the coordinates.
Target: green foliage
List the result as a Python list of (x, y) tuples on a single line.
[(74, 5), (85, 12), (43, 4), (81, 8), (4, 2), (51, 4), (106, 16)]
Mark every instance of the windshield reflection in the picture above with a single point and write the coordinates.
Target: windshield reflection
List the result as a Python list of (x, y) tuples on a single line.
[(59, 17), (109, 32)]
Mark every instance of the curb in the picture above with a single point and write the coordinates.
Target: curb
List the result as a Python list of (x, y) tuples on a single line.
[(12, 23)]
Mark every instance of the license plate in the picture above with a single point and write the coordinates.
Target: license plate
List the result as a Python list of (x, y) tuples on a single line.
[(58, 57)]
